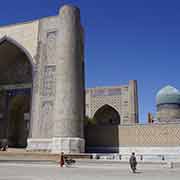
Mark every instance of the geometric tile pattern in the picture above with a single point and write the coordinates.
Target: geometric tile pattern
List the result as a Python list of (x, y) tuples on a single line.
[(150, 135), (137, 135)]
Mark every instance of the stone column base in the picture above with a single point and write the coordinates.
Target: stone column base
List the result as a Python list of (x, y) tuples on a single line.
[(57, 145), (39, 144), (68, 145)]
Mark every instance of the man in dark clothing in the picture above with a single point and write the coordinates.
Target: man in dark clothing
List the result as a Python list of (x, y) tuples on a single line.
[(4, 145), (133, 162), (62, 159)]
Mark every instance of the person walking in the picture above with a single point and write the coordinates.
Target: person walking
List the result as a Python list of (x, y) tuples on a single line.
[(4, 145), (133, 162), (62, 159)]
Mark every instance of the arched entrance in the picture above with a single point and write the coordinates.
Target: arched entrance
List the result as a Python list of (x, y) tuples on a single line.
[(107, 115), (103, 137), (15, 93)]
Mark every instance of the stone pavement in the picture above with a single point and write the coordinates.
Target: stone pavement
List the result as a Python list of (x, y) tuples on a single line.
[(85, 171)]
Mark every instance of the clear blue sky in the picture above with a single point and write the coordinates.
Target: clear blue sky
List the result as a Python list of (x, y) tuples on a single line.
[(125, 39)]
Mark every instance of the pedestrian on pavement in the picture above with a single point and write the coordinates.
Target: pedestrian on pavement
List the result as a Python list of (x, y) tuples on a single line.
[(4, 145), (62, 159), (133, 162)]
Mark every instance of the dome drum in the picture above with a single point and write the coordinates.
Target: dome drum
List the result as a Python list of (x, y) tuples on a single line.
[(168, 106), (168, 113)]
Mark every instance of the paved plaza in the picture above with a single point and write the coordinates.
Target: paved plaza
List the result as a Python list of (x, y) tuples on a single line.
[(85, 171)]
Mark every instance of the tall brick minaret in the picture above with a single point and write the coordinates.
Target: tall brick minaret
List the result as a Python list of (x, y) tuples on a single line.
[(133, 102)]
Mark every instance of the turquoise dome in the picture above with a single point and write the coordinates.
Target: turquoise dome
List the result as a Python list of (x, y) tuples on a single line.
[(168, 95)]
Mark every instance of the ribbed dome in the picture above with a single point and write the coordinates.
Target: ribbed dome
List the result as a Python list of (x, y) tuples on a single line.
[(168, 95)]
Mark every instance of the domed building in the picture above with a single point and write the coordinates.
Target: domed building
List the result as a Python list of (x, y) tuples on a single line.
[(168, 105)]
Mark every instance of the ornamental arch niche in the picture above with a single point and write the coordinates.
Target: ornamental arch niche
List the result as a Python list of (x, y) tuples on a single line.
[(103, 137), (107, 115), (16, 80)]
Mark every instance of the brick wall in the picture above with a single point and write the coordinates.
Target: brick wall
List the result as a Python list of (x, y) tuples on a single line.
[(137, 135)]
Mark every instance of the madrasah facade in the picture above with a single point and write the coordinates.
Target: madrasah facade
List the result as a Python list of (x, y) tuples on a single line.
[(43, 100)]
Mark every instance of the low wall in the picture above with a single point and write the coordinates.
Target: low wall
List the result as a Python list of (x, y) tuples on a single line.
[(155, 138)]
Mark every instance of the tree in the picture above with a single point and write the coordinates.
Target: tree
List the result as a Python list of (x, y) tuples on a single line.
[(89, 121)]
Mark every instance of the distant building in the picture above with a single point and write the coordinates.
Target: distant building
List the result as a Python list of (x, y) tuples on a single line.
[(117, 129), (168, 105), (113, 105)]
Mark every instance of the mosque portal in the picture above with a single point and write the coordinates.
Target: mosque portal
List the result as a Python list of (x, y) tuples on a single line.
[(107, 115), (15, 93), (42, 83)]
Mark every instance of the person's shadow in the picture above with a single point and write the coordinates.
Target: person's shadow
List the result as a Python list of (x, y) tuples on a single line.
[(138, 172)]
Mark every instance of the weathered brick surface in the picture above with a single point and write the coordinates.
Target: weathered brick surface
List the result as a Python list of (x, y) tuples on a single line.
[(138, 135)]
